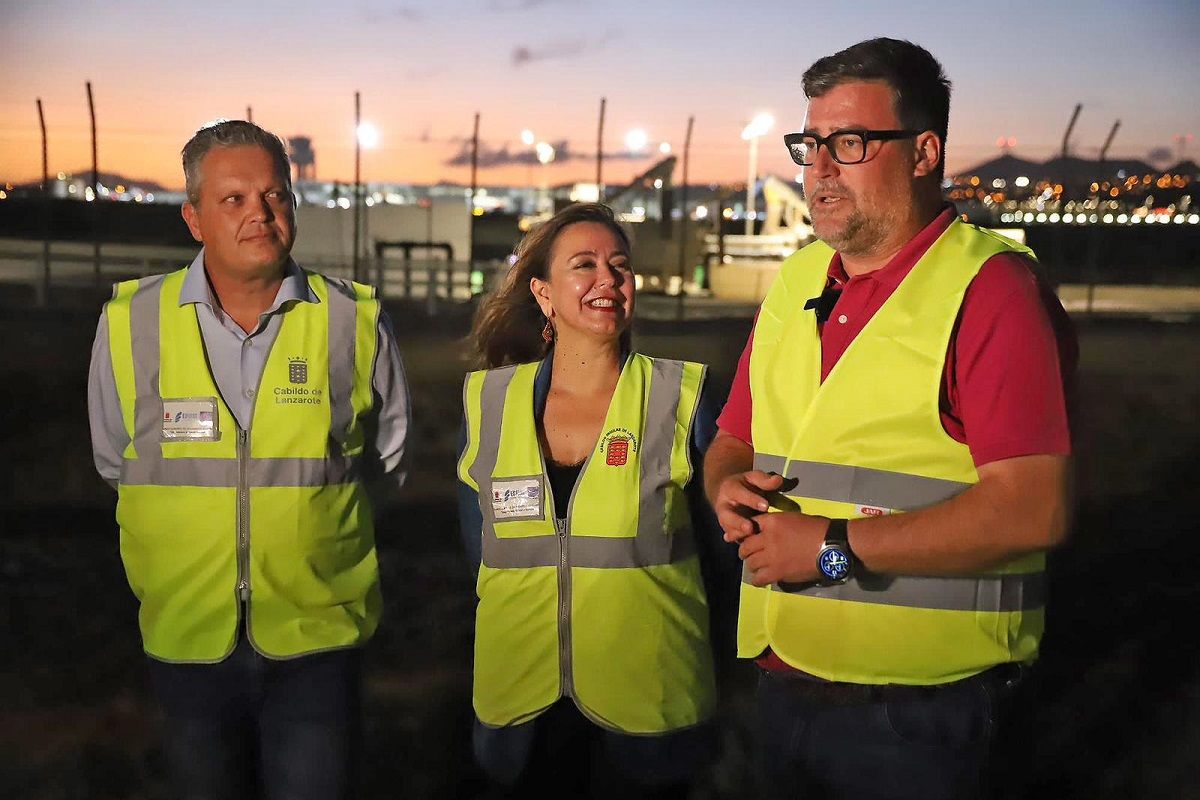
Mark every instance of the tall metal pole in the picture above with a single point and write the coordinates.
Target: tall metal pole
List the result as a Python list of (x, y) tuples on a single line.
[(357, 178), (1066, 145), (683, 218), (95, 190), (474, 189), (1108, 142), (45, 208), (600, 154), (751, 180)]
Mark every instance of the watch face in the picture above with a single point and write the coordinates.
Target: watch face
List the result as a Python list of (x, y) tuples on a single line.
[(834, 563)]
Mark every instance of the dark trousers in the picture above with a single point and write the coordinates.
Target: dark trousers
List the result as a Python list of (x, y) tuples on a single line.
[(568, 756), (251, 726), (895, 743)]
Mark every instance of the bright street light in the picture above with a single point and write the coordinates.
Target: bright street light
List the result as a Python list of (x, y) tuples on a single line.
[(751, 133), (635, 140), (368, 135), (527, 137), (758, 126), (545, 152)]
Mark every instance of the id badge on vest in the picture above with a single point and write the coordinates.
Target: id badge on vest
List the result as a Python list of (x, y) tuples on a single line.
[(517, 498), (191, 419)]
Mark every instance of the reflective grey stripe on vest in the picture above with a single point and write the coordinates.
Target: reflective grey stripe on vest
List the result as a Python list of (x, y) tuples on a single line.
[(859, 485), (980, 593), (651, 546), (342, 339), (223, 472), (151, 469), (896, 490)]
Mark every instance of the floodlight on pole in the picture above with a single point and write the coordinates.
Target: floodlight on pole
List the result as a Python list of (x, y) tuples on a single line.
[(368, 135), (635, 140), (757, 128), (527, 137)]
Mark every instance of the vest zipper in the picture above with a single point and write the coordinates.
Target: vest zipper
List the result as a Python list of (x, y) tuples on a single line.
[(243, 517), (564, 607)]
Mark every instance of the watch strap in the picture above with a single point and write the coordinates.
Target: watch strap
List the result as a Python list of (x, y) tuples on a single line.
[(838, 533)]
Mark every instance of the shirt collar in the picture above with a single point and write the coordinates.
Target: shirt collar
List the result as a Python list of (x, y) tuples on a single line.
[(893, 272), (196, 289)]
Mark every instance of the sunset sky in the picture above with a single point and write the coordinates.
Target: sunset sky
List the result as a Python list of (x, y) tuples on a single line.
[(161, 69)]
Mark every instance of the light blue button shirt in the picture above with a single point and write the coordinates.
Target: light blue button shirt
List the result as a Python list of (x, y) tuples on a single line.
[(237, 360)]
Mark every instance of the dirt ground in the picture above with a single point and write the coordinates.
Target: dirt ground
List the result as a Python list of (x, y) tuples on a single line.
[(1112, 711)]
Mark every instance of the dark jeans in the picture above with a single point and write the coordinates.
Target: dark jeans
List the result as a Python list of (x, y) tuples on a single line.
[(565, 755), (251, 726), (913, 743)]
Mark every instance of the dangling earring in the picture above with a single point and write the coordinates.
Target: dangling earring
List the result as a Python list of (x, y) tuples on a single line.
[(548, 332)]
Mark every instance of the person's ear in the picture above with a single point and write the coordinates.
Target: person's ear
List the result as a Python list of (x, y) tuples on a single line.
[(928, 154), (541, 293), (192, 217)]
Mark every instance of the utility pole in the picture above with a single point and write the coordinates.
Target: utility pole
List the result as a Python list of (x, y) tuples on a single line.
[(683, 218), (1108, 142), (45, 208), (95, 215), (600, 154), (474, 189), (357, 185), (1066, 143)]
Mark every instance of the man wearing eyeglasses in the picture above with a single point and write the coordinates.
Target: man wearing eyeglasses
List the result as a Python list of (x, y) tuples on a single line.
[(892, 462)]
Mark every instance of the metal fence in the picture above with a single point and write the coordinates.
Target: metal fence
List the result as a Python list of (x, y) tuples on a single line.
[(28, 276)]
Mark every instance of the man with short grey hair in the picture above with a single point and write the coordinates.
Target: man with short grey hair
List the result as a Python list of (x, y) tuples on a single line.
[(239, 406)]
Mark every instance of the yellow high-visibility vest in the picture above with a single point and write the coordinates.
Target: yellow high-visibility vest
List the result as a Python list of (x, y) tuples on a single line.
[(608, 607), (273, 516), (869, 441)]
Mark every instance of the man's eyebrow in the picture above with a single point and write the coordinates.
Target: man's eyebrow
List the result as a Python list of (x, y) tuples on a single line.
[(841, 129)]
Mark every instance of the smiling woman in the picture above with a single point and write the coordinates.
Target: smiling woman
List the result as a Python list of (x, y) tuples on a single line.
[(581, 511), (511, 322)]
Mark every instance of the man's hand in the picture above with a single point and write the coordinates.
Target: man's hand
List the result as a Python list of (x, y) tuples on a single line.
[(740, 498), (785, 548)]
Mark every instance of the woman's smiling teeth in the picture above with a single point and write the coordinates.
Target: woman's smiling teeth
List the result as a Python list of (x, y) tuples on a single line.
[(601, 302)]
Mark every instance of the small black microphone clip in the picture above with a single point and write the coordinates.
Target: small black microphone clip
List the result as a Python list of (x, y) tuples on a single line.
[(823, 305)]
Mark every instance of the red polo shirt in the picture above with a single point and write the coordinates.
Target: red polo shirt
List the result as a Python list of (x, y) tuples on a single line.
[(1009, 366)]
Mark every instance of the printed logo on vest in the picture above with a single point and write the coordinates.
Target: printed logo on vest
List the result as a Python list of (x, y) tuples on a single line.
[(297, 394), (298, 370), (873, 511), (617, 444)]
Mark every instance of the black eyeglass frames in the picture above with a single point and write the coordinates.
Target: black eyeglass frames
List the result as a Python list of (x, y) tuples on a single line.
[(845, 147)]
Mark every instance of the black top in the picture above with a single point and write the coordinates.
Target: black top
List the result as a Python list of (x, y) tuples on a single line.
[(562, 481)]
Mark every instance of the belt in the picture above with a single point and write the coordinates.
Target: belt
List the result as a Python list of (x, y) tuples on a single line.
[(1005, 676)]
